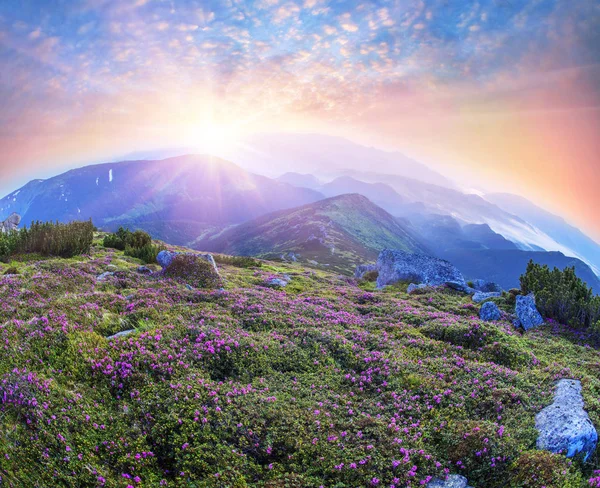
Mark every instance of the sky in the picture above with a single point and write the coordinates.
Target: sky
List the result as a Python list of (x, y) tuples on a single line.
[(501, 95)]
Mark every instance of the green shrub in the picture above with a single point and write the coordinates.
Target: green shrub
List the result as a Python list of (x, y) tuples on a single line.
[(238, 261), (561, 295), (541, 468), (49, 239), (146, 253), (11, 271), (119, 239), (194, 271), (370, 276)]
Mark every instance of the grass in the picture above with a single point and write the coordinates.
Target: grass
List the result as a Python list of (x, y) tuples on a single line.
[(326, 382)]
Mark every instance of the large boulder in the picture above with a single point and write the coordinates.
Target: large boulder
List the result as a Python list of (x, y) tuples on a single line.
[(480, 296), (489, 312), (362, 269), (527, 313), (486, 286), (565, 426), (394, 266), (452, 481), (165, 258), (11, 223), (460, 286)]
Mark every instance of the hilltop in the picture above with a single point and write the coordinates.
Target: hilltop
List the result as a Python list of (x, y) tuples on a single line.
[(326, 382), (339, 232)]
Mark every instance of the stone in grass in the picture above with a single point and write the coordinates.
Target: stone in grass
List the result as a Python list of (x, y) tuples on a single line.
[(144, 270), (489, 312), (527, 313), (486, 286), (564, 426), (276, 283), (452, 481), (413, 287), (123, 333), (481, 296), (165, 258), (105, 275)]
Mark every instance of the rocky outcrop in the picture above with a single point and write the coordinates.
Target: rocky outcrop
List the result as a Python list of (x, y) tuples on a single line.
[(452, 481), (362, 269), (460, 286), (395, 266), (565, 426), (527, 313), (481, 296), (164, 258), (123, 333), (11, 223), (489, 312), (412, 287), (486, 286)]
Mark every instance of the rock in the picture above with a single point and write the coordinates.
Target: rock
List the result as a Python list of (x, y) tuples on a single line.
[(276, 283), (412, 287), (460, 286), (481, 296), (489, 312), (564, 426), (105, 275), (144, 270), (527, 314), (120, 334), (486, 286), (453, 481), (394, 266), (189, 287), (362, 269), (164, 258), (111, 267), (11, 223)]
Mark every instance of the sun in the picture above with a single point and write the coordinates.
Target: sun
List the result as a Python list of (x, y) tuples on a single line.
[(213, 139)]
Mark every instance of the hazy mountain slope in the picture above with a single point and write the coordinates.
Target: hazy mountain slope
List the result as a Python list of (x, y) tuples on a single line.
[(506, 266), (301, 180), (340, 232), (188, 189), (553, 225), (380, 194), (321, 154)]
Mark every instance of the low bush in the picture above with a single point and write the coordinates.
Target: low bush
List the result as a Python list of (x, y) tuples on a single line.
[(49, 239), (136, 244), (561, 295), (541, 468), (370, 276), (238, 261), (146, 253), (193, 271)]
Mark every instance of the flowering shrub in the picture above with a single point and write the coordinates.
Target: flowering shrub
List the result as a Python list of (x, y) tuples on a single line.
[(324, 384), (194, 271)]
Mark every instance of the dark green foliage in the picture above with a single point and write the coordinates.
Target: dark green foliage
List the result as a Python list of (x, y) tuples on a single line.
[(370, 276), (146, 253), (49, 239), (561, 295), (542, 468), (194, 271), (136, 244), (11, 271), (238, 261)]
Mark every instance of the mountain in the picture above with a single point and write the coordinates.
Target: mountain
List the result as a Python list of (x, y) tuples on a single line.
[(338, 232), (553, 225), (506, 266), (176, 198), (379, 193), (324, 155), (301, 180)]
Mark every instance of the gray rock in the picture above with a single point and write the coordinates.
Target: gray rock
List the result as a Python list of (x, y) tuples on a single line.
[(362, 269), (189, 287), (453, 481), (105, 275), (460, 286), (412, 287), (11, 223), (564, 426), (164, 258), (481, 296), (486, 286), (394, 266), (144, 270), (276, 283), (123, 333), (527, 313), (489, 312)]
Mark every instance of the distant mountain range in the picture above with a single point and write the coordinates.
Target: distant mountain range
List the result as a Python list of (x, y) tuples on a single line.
[(339, 233), (337, 216), (176, 198)]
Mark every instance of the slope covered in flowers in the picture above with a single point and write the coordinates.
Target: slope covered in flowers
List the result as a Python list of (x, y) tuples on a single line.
[(323, 383)]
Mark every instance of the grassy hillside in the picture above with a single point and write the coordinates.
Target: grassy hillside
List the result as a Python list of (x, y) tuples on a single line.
[(338, 233), (323, 383)]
